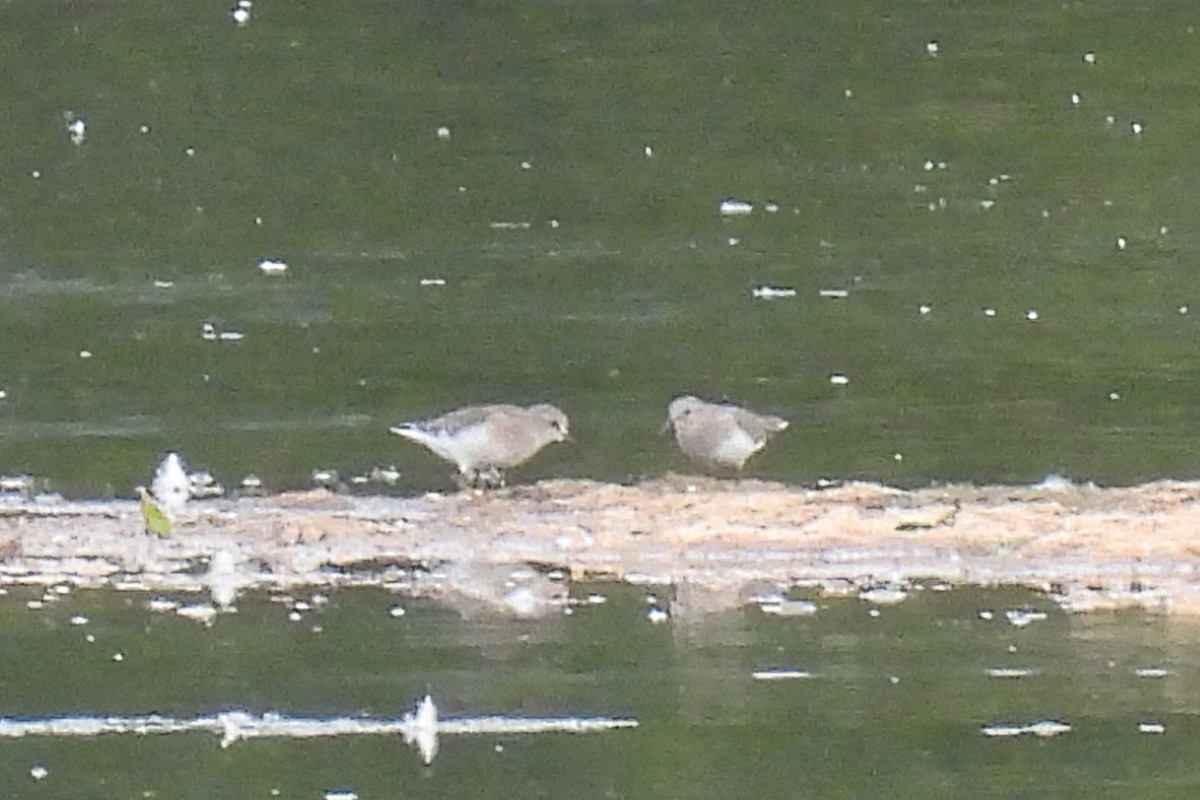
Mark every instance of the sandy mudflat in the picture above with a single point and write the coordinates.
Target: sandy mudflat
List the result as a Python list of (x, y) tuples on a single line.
[(716, 543)]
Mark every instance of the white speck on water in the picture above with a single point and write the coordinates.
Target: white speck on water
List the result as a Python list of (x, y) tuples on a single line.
[(766, 292), (432, 281), (771, 208), (898, 456), (932, 48), (3, 394), (190, 151), (1137, 128), (986, 614), (79, 619), (295, 616), (163, 284), (443, 133), (833, 294), (231, 336), (161, 604), (1032, 315), (838, 379), (554, 223), (1042, 728), (397, 611), (1152, 672), (85, 353), (1121, 242), (1110, 120), (199, 612), (1089, 57), (986, 204), (1021, 617), (1075, 98), (272, 266), (118, 657), (993, 181), (76, 128), (732, 208), (928, 165), (526, 165), (925, 309), (1114, 395), (1010, 672), (781, 674), (657, 616), (509, 226), (37, 173), (340, 794), (38, 772), (1012, 648), (1164, 230), (734, 241), (848, 93), (1183, 309), (258, 220), (144, 129), (251, 481), (649, 151), (1151, 727), (241, 12), (873, 613)]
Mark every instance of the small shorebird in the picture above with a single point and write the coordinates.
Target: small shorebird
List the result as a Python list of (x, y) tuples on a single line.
[(719, 434), (483, 441)]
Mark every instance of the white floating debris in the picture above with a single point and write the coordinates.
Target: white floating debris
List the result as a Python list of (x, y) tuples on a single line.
[(771, 208), (85, 353), (1032, 315), (838, 379), (649, 151), (1152, 672), (766, 292), (874, 612), (241, 15), (1021, 617), (432, 282), (1075, 98), (76, 128), (189, 151), (163, 284), (790, 608), (443, 133), (1110, 120), (272, 266), (325, 478), (989, 312), (1114, 395), (925, 309), (397, 611), (986, 205), (928, 165), (79, 619), (1040, 728), (781, 674), (200, 612), (836, 294), (848, 93), (251, 482), (509, 226), (389, 475), (38, 772), (883, 595), (1089, 57), (161, 605), (932, 48), (118, 657), (1182, 309), (735, 208), (1164, 230), (1121, 242), (526, 165), (341, 795), (3, 394), (657, 615), (734, 241), (1151, 727), (1137, 128), (34, 605), (231, 336), (898, 456), (1010, 672)]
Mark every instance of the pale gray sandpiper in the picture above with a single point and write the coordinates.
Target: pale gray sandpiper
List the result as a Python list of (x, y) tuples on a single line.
[(720, 434), (483, 441)]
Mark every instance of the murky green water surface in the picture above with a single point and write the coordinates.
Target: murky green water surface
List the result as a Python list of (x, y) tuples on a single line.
[(895, 704), (311, 135)]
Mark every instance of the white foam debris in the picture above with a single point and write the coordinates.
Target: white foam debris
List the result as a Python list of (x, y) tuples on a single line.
[(1032, 315), (595, 598), (251, 482), (510, 226), (241, 12), (1042, 728), (1022, 617), (76, 128), (771, 208), (432, 282), (79, 619), (734, 241), (736, 208), (932, 48), (118, 657), (231, 336), (833, 294), (1089, 57), (200, 612), (648, 151), (38, 772), (526, 165), (986, 205), (989, 312), (443, 132), (160, 284), (1010, 672), (1075, 98), (161, 605), (1151, 727), (85, 353), (781, 674), (657, 615), (838, 379), (223, 578), (925, 309), (171, 486), (340, 794), (272, 266), (397, 611), (388, 475), (1137, 128), (766, 292), (1152, 672), (1122, 242), (883, 595)]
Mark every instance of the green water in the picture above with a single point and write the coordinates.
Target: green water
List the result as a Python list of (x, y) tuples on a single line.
[(895, 707), (313, 138)]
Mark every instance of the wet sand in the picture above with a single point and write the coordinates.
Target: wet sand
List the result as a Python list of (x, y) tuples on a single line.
[(715, 543)]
